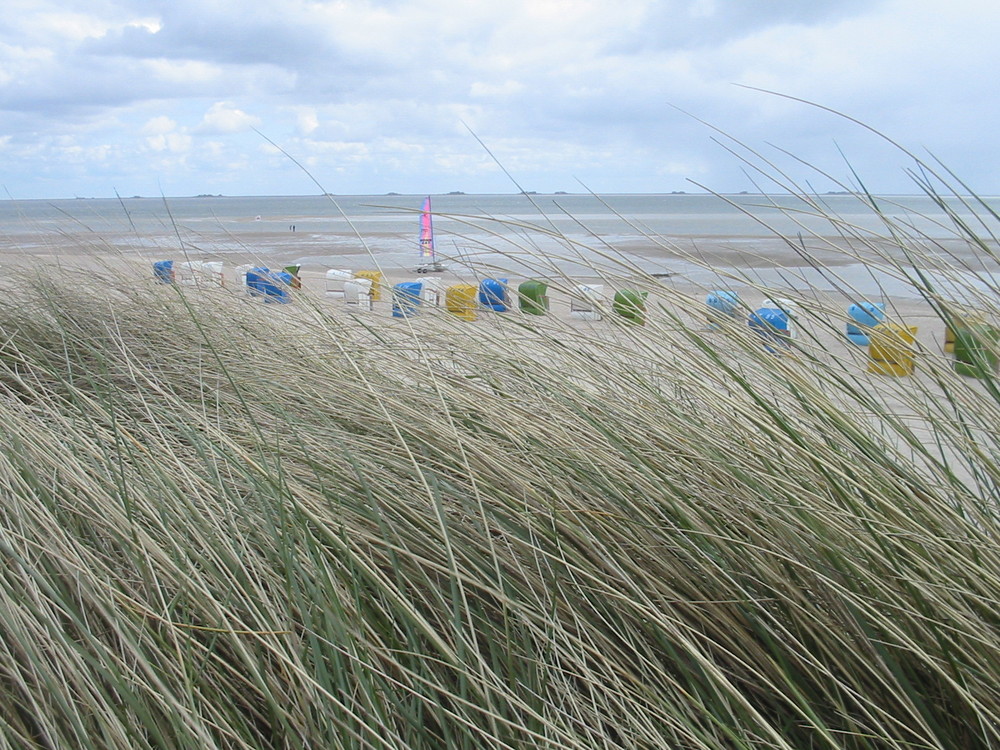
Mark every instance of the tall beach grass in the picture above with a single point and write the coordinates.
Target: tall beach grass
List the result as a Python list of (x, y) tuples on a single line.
[(242, 526)]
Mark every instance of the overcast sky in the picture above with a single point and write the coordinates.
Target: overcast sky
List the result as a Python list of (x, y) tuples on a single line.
[(176, 97)]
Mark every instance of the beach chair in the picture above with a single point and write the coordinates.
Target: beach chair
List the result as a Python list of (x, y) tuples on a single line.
[(358, 294), (959, 319), (276, 287), (975, 347), (336, 279), (630, 305), (431, 291), (721, 305), (772, 325), (293, 272), (241, 276), (163, 271), (891, 349), (189, 272), (406, 299), (460, 301), (214, 273), (493, 295), (865, 316), (256, 279), (532, 297), (587, 302), (376, 278), (790, 309)]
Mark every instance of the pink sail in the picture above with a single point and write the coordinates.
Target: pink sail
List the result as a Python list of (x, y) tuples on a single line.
[(426, 231)]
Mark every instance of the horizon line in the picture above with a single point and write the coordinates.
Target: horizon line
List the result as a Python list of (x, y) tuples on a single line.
[(459, 193)]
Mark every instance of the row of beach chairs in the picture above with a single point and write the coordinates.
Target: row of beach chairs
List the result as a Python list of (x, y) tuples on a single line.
[(971, 340), (465, 301), (360, 289), (189, 273)]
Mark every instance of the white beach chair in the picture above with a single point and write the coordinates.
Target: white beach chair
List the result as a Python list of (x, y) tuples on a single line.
[(189, 272), (241, 276), (358, 294), (587, 302), (214, 273), (336, 278), (431, 291)]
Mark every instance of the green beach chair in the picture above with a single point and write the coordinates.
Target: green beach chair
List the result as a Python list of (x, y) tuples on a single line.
[(630, 304), (976, 354), (532, 297)]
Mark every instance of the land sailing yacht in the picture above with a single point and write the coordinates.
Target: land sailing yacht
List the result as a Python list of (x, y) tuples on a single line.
[(430, 262)]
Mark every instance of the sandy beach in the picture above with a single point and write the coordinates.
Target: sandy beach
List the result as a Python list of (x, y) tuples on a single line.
[(675, 308), (674, 303), (683, 291)]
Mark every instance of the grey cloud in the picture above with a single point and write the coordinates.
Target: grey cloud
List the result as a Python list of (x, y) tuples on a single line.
[(289, 42), (217, 38), (83, 85)]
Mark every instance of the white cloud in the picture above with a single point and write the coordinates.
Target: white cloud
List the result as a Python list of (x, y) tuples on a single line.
[(159, 126), (18, 62), (175, 143), (307, 119), (73, 26), (152, 25), (222, 118), (184, 72)]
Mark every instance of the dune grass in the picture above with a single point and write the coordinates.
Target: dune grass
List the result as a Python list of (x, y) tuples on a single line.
[(232, 525)]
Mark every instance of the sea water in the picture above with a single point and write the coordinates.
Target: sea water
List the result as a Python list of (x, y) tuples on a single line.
[(518, 233), (673, 215)]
